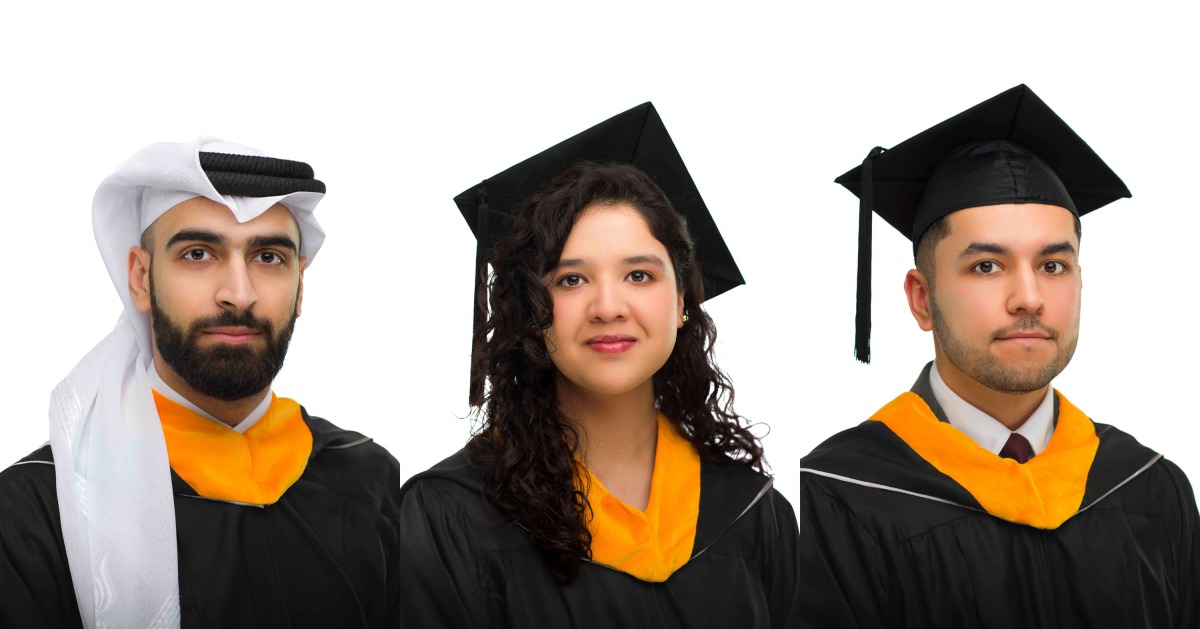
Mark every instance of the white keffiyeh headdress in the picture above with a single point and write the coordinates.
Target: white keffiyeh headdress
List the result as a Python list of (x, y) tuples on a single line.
[(112, 475)]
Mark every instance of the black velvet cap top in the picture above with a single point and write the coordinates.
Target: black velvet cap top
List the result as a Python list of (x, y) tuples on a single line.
[(1011, 148), (636, 137)]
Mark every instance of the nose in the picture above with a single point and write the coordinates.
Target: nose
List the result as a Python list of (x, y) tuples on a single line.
[(608, 302), (1026, 295), (237, 290)]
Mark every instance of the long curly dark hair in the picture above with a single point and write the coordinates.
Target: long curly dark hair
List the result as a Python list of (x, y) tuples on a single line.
[(521, 434)]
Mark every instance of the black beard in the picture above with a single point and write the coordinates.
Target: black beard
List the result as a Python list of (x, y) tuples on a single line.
[(225, 372)]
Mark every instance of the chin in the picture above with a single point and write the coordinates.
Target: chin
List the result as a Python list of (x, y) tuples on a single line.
[(597, 382), (1017, 357), (609, 388)]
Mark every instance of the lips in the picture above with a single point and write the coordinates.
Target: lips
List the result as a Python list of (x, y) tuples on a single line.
[(1017, 337), (1028, 330), (233, 334), (611, 343)]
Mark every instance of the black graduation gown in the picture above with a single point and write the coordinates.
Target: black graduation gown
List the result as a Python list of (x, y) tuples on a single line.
[(465, 566), (887, 540), (324, 555)]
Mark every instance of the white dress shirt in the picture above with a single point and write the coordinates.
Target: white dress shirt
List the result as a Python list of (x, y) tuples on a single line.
[(158, 384), (987, 431)]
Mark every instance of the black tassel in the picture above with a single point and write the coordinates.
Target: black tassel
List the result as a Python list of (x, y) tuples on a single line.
[(866, 207), (478, 336)]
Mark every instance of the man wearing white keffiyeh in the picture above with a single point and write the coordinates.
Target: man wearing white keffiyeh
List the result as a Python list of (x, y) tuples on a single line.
[(177, 489)]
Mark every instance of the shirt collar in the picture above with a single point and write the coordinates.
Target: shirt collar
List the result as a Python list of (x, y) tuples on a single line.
[(160, 385), (986, 430)]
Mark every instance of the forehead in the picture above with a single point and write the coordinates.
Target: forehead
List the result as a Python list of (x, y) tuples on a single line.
[(617, 228), (205, 214), (1013, 225)]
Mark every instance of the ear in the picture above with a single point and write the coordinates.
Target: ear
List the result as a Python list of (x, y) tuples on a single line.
[(920, 296), (679, 314), (139, 278), (300, 290)]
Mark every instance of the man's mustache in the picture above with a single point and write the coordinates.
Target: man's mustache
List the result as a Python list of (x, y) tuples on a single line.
[(1024, 324), (232, 319)]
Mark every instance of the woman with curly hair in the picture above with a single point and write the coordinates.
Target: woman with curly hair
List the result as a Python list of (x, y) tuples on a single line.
[(609, 481)]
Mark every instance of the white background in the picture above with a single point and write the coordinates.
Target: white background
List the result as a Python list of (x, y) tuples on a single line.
[(399, 109)]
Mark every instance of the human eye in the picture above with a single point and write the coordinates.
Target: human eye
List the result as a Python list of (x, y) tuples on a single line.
[(570, 280), (1054, 267), (985, 267), (639, 276), (270, 258), (197, 254)]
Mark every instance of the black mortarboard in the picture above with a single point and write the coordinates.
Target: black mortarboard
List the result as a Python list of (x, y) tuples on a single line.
[(636, 137), (1011, 148)]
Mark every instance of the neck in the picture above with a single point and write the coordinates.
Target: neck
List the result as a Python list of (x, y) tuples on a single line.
[(1010, 409), (230, 412), (619, 434)]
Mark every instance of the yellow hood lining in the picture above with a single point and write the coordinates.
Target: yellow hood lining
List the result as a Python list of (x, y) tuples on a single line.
[(653, 544), (1044, 492), (219, 463)]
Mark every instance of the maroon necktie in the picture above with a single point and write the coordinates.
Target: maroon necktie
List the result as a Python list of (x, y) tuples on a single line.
[(1017, 448)]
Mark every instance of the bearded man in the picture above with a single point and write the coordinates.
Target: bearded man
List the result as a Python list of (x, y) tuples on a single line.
[(983, 497), (177, 489)]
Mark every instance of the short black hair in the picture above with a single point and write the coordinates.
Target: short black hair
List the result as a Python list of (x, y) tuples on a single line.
[(147, 241)]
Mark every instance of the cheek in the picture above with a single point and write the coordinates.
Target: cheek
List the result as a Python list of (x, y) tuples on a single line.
[(1065, 301), (183, 298), (562, 312), (566, 317), (277, 295), (969, 310), (660, 310)]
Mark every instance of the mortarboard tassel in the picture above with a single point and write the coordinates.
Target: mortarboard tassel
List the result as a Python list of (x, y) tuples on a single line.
[(478, 337), (866, 207)]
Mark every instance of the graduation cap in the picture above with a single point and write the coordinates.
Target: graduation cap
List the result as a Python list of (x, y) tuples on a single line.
[(636, 137), (1011, 148)]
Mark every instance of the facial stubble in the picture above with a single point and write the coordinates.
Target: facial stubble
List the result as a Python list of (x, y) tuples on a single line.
[(986, 369)]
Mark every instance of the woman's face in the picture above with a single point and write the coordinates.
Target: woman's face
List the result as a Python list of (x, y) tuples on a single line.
[(616, 306)]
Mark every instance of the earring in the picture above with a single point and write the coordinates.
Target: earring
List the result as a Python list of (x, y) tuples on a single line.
[(685, 316)]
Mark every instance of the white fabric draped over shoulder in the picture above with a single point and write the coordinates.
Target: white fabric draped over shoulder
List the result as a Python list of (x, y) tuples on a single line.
[(112, 475)]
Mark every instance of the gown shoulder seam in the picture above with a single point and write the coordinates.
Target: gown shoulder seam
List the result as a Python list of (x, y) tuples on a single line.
[(849, 509), (1154, 460), (447, 504), (27, 467), (870, 485)]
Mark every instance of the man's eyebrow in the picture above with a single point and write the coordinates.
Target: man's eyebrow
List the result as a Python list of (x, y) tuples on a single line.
[(646, 258), (1059, 247), (197, 235), (274, 240), (976, 248)]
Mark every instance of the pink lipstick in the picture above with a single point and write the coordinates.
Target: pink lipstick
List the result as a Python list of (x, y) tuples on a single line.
[(611, 343)]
